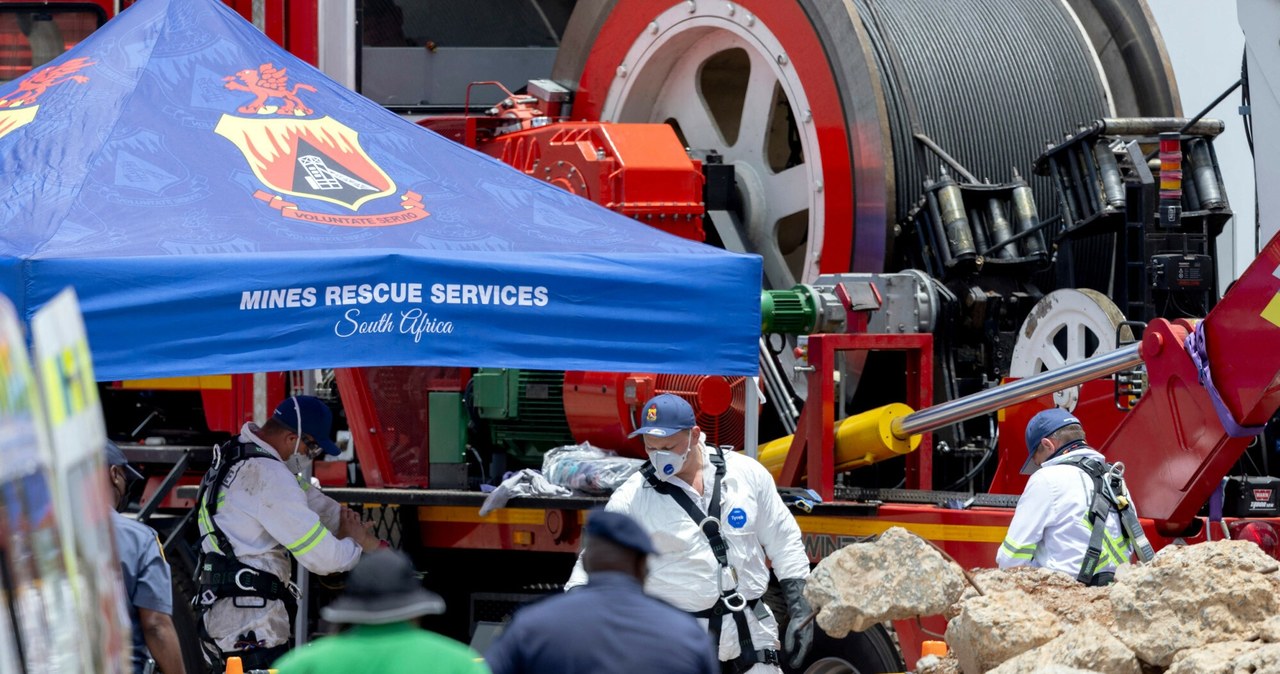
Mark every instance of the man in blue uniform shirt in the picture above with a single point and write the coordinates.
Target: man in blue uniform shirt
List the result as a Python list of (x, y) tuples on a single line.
[(146, 578), (609, 624)]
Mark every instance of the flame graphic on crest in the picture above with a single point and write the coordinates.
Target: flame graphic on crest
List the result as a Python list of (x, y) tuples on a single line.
[(271, 146), (16, 118)]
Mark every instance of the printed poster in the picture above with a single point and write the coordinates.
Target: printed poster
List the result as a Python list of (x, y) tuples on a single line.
[(77, 433), (41, 601)]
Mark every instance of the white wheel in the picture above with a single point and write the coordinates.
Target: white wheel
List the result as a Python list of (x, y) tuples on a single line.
[(1066, 326), (724, 81)]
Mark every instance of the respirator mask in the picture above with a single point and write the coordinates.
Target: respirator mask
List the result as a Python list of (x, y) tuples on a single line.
[(300, 461), (667, 463)]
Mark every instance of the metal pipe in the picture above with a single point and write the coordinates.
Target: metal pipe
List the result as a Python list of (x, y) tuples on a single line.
[(999, 397), (951, 161), (1151, 126)]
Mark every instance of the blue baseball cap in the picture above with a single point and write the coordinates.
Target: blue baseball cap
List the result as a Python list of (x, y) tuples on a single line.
[(308, 416), (116, 457), (619, 529), (1041, 426), (665, 415)]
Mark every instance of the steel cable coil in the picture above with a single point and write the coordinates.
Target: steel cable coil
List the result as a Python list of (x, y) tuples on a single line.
[(989, 80)]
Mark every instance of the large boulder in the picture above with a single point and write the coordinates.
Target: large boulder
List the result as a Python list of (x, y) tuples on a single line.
[(1262, 660), (996, 627), (1086, 646), (1073, 602), (1190, 596), (1210, 659), (896, 577)]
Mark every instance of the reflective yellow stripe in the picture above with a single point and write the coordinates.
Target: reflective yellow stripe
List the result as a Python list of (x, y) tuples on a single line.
[(1017, 551), (206, 527), (206, 523), (314, 543), (308, 540)]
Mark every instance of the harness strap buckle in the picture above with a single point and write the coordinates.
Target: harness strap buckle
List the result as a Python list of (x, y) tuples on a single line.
[(734, 601), (241, 584)]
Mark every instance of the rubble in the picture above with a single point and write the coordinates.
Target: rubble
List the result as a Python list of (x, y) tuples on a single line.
[(993, 628), (1262, 660), (932, 664), (1085, 646), (1192, 596), (1209, 608), (910, 578), (1210, 659), (1073, 603), (1269, 630)]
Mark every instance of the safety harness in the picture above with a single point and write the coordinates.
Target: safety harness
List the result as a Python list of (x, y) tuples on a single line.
[(730, 602), (219, 575), (1109, 494)]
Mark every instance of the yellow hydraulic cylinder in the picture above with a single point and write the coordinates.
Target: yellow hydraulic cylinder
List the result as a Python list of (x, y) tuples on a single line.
[(861, 440)]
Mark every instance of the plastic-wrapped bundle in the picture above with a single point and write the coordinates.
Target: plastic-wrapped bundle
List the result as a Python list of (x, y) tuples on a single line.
[(587, 469)]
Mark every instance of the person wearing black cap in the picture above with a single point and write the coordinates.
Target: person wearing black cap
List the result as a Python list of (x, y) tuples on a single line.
[(1052, 524), (253, 512), (382, 600), (716, 516), (610, 624), (145, 575)]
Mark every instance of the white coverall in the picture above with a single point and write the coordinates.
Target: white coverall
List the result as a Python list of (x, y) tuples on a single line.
[(754, 523), (267, 514), (1050, 525)]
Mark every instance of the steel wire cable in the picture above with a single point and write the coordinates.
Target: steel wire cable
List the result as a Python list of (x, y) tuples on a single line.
[(991, 81)]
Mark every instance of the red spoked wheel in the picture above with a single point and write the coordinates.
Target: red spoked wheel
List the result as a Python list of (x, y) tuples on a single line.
[(765, 84)]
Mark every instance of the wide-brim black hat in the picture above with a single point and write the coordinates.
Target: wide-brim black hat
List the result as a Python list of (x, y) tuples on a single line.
[(383, 588)]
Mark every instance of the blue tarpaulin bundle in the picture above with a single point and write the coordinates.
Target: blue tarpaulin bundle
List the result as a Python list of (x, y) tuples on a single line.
[(220, 206)]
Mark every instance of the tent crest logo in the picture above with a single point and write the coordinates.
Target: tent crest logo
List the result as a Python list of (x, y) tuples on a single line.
[(19, 108), (294, 154)]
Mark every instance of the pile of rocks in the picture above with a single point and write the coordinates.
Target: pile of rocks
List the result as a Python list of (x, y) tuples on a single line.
[(1199, 609)]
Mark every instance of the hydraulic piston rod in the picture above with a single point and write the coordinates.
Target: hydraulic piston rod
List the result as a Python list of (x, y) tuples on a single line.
[(992, 399)]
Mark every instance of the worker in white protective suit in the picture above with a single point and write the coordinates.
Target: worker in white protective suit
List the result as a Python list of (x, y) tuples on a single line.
[(254, 511), (716, 572), (1054, 524)]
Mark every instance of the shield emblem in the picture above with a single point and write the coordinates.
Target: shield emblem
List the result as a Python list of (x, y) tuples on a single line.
[(311, 158)]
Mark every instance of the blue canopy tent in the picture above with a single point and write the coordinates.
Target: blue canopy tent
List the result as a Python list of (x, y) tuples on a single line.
[(220, 206)]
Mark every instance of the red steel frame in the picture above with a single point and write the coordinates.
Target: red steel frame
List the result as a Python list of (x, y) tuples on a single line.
[(815, 434)]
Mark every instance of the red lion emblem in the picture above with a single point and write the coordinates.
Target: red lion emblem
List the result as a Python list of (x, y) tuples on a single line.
[(40, 80), (268, 82)]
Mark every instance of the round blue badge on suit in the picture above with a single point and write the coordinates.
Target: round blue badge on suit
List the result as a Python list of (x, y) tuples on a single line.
[(737, 518)]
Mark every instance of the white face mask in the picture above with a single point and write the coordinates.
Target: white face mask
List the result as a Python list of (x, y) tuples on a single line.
[(667, 463), (298, 462)]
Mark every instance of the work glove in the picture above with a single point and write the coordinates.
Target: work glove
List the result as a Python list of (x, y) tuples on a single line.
[(799, 637)]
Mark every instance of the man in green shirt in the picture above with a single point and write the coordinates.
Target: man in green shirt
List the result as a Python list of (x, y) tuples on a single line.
[(382, 600)]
